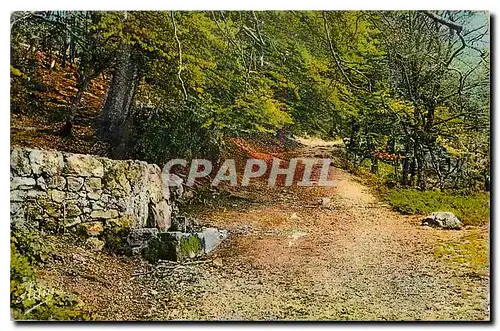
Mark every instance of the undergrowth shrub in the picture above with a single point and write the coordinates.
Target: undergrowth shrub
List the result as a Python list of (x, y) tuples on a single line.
[(175, 131), (31, 243), (471, 209), (30, 300)]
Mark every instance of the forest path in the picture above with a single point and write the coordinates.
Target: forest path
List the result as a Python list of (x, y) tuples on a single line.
[(289, 256)]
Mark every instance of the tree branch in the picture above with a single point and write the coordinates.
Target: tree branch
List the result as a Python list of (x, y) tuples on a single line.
[(335, 56), (453, 26), (180, 55)]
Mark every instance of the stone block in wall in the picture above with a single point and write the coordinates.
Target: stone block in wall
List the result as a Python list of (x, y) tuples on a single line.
[(46, 162), (16, 208), (19, 162), (22, 183), (75, 184), (57, 182), (104, 214), (70, 222), (37, 195), (93, 184), (56, 195), (41, 184), (84, 165), (18, 195), (95, 195), (71, 209), (53, 209)]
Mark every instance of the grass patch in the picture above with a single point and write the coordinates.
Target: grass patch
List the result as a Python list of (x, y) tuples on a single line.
[(470, 251), (471, 209)]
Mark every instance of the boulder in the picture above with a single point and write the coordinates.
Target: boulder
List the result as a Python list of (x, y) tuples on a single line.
[(443, 220), (174, 246), (180, 246)]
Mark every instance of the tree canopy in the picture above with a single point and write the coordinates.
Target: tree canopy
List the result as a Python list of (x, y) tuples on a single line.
[(406, 87)]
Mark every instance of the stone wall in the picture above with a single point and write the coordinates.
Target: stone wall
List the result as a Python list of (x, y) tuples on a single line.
[(57, 190)]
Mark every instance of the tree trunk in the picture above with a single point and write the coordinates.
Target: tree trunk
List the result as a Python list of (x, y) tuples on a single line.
[(374, 166), (114, 120), (404, 172), (76, 100), (396, 167), (420, 171), (487, 182), (412, 172)]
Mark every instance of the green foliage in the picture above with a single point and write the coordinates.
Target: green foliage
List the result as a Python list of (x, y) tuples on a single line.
[(176, 132), (15, 72), (115, 236), (471, 209), (188, 246), (36, 248), (20, 266), (30, 300), (400, 82)]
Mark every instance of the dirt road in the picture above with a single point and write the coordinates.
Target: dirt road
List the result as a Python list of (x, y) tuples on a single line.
[(309, 254)]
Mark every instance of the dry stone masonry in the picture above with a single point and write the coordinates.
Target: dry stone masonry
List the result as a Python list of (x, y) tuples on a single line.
[(52, 190), (59, 190)]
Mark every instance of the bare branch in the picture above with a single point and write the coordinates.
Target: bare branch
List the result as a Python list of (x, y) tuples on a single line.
[(448, 23), (180, 55), (453, 26)]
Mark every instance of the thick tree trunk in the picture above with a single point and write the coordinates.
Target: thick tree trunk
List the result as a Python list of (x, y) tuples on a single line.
[(114, 120)]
